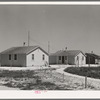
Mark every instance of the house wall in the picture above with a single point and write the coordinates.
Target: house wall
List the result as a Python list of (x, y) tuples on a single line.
[(90, 60), (52, 60), (37, 58), (60, 61), (71, 60), (20, 62), (55, 60), (97, 61), (80, 61)]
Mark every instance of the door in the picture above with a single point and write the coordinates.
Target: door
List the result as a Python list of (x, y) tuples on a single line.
[(62, 59)]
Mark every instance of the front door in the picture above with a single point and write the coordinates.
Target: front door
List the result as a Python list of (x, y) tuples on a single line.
[(62, 59)]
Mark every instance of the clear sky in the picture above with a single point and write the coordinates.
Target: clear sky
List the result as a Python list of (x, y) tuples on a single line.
[(74, 27)]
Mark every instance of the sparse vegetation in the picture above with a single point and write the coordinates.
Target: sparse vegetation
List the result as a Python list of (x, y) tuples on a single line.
[(42, 79), (17, 74), (27, 80)]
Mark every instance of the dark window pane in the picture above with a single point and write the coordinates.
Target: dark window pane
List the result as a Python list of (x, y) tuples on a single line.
[(9, 56), (15, 57), (43, 57), (32, 56), (59, 57)]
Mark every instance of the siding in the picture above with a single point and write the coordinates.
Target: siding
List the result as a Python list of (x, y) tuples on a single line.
[(71, 60), (90, 59), (21, 60), (80, 61), (37, 58), (53, 60)]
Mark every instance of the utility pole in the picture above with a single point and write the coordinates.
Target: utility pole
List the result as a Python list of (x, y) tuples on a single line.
[(48, 51), (48, 47), (86, 81), (28, 38)]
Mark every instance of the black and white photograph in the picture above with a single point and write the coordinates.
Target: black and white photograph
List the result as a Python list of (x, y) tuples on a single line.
[(50, 47)]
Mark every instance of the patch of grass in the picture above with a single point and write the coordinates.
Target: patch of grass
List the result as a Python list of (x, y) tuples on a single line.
[(17, 74), (93, 72), (37, 85)]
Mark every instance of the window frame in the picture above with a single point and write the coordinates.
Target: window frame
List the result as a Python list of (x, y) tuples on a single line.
[(15, 56), (59, 57), (10, 57), (32, 56), (43, 57), (77, 57)]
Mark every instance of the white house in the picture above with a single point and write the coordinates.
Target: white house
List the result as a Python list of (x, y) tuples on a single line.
[(71, 57), (24, 56)]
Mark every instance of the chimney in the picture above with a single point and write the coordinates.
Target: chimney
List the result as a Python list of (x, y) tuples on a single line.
[(65, 48), (23, 43), (92, 52)]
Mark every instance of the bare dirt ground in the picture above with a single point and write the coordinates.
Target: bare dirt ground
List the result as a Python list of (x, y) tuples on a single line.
[(65, 82), (45, 79)]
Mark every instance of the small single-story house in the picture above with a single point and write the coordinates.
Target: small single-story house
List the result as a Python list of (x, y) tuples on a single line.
[(92, 58), (71, 57), (24, 56)]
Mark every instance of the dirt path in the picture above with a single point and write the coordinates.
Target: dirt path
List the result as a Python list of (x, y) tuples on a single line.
[(7, 88)]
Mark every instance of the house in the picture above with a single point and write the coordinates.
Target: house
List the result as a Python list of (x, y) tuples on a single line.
[(92, 58), (24, 56), (71, 57)]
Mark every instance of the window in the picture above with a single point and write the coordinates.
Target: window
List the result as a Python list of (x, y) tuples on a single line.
[(32, 56), (9, 56), (65, 57), (43, 57), (59, 57), (15, 57)]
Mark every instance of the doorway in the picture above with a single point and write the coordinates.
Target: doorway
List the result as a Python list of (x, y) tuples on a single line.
[(63, 61)]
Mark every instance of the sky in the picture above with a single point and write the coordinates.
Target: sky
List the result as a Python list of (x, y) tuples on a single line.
[(76, 27)]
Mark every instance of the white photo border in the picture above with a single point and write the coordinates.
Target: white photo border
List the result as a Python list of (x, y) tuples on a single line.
[(24, 94)]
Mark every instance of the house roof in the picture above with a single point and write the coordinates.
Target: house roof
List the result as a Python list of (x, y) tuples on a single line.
[(93, 55), (61, 52), (22, 50), (67, 53)]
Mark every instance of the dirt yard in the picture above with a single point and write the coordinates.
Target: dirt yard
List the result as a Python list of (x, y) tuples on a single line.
[(41, 79)]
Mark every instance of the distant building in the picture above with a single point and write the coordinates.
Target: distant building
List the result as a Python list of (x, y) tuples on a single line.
[(71, 57), (92, 58), (24, 56)]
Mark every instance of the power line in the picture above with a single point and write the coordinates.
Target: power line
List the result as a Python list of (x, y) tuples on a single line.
[(39, 43), (48, 47)]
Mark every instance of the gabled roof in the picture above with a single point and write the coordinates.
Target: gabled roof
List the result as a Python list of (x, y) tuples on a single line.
[(93, 55), (61, 52), (67, 53), (22, 50), (74, 52)]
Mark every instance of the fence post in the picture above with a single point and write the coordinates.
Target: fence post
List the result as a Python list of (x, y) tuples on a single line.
[(51, 72), (86, 81), (63, 77)]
